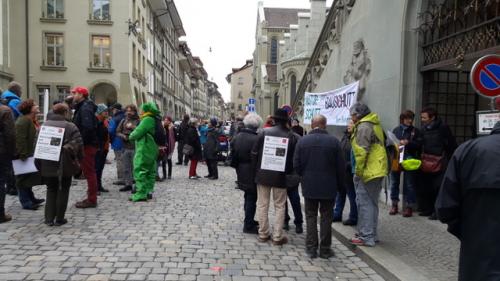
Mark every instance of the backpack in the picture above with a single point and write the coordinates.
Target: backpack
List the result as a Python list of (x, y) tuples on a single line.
[(160, 135)]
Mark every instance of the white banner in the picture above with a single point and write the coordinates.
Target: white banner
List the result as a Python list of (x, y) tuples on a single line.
[(49, 143), (334, 105)]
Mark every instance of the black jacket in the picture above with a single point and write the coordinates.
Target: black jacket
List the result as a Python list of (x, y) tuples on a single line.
[(414, 137), (86, 121), (7, 132), (438, 139), (269, 177), (319, 161), (241, 160), (181, 132), (469, 203), (345, 144), (299, 130), (193, 140), (211, 147)]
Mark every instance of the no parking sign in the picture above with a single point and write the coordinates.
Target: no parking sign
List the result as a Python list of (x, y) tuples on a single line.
[(485, 76)]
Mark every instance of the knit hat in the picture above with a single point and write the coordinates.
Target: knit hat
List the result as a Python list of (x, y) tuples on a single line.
[(280, 114), (360, 110), (101, 108), (80, 90), (116, 106)]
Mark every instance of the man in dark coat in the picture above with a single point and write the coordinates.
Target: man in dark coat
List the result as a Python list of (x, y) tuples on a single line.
[(468, 203), (210, 149), (192, 138), (241, 160), (181, 136), (84, 118), (271, 176), (438, 140), (318, 160), (7, 150)]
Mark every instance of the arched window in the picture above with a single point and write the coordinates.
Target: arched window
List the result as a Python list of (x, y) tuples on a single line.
[(293, 87), (274, 50)]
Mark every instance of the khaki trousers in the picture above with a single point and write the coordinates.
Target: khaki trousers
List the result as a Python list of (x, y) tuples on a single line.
[(263, 201)]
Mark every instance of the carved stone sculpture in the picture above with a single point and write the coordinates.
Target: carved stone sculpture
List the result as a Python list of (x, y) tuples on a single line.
[(360, 67)]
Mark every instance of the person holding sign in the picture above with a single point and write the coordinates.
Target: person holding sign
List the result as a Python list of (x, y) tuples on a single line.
[(57, 174), (272, 156), (26, 130)]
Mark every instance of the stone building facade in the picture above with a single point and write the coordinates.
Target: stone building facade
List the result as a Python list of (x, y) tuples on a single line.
[(241, 80), (406, 55)]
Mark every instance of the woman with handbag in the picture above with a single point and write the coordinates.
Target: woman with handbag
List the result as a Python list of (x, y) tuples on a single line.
[(57, 174), (192, 147), (26, 130), (411, 138), (437, 147), (125, 128)]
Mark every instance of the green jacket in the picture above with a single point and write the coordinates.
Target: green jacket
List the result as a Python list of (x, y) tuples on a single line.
[(368, 145), (146, 149)]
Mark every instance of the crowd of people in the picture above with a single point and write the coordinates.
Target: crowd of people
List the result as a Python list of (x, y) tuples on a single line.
[(274, 157)]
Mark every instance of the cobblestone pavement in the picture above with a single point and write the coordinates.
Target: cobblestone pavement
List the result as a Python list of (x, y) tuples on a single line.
[(188, 230)]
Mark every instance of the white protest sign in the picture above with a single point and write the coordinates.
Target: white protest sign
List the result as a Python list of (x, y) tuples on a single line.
[(486, 120), (334, 105), (49, 143), (274, 154)]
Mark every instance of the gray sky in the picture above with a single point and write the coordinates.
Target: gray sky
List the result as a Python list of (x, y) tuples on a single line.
[(228, 28)]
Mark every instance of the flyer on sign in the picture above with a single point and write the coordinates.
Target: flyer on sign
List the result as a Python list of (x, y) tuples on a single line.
[(49, 143), (274, 154), (334, 105)]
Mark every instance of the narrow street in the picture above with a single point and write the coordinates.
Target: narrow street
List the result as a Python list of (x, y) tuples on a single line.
[(191, 230)]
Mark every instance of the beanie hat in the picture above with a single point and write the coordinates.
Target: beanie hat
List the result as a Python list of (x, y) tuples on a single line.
[(360, 110), (80, 90), (101, 108)]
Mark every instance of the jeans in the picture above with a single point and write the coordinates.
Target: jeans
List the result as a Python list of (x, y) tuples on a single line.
[(350, 192), (263, 202), (325, 209), (250, 207), (100, 162), (26, 197), (213, 170), (367, 195), (128, 166), (294, 197), (88, 168), (166, 161), (119, 164), (409, 196), (192, 168), (57, 198)]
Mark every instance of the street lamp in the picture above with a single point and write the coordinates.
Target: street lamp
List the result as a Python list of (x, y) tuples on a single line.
[(133, 27)]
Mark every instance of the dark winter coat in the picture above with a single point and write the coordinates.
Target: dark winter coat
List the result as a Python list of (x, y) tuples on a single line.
[(123, 131), (25, 148), (193, 140), (241, 160), (319, 161), (345, 144), (438, 139), (86, 121), (299, 130), (72, 149), (102, 135), (7, 132), (414, 137), (269, 177), (181, 132), (211, 146), (469, 203)]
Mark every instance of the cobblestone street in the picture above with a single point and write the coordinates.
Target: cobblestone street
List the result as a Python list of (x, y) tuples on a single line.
[(191, 230)]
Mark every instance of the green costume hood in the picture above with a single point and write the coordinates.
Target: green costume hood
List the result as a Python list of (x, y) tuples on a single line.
[(150, 107)]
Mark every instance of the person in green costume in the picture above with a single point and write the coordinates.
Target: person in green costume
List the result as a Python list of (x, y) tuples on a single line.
[(146, 153)]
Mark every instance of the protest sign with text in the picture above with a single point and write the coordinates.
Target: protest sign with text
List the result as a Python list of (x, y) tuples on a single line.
[(49, 143), (334, 105)]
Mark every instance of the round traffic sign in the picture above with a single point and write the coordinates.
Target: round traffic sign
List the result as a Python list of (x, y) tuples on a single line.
[(485, 76)]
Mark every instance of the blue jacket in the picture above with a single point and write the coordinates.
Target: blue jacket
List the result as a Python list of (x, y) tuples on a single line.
[(116, 143), (13, 102), (203, 133)]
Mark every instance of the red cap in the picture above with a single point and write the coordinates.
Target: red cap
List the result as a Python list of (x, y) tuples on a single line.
[(80, 90)]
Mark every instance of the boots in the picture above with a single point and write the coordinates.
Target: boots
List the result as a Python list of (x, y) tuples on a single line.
[(394, 209), (408, 212)]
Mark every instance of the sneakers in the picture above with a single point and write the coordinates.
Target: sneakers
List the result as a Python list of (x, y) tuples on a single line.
[(394, 209), (359, 242), (408, 212), (280, 242), (5, 218), (85, 204), (38, 201)]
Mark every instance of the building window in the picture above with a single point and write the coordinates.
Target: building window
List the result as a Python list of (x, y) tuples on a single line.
[(62, 92), (54, 49), (274, 50), (293, 87), (240, 80), (100, 10), (101, 51), (41, 92), (53, 9)]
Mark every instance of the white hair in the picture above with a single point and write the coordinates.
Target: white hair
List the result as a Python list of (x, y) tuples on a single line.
[(252, 120)]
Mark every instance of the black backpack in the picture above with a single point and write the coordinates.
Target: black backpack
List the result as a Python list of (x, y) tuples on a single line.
[(160, 134)]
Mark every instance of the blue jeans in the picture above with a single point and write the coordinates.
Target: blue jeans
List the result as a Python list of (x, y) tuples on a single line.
[(367, 196), (409, 180), (294, 197), (250, 208), (341, 197), (26, 197)]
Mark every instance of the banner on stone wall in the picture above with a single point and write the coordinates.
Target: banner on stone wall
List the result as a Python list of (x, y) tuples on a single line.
[(334, 105)]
